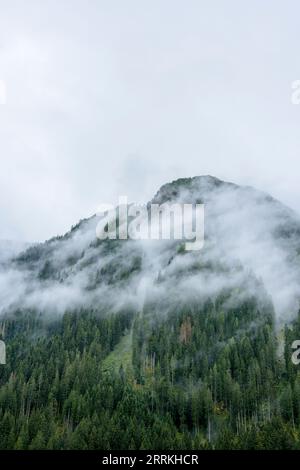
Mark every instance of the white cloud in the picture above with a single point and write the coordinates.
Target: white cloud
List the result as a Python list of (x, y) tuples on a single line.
[(186, 90)]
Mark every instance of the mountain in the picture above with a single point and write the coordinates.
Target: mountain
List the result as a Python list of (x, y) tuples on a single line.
[(10, 249), (248, 235), (169, 348)]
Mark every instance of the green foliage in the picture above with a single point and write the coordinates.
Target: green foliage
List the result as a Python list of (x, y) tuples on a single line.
[(198, 378)]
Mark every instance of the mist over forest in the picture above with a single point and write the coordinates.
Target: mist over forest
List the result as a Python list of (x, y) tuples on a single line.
[(251, 240), (171, 349)]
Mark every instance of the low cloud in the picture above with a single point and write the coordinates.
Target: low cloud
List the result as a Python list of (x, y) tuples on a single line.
[(252, 248)]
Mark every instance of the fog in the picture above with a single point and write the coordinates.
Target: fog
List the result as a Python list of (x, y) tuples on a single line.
[(251, 248), (111, 98)]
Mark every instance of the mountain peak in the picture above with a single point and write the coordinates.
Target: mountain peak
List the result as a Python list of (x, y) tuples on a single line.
[(197, 184)]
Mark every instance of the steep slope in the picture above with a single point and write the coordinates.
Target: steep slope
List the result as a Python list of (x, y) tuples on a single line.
[(248, 235), (141, 344)]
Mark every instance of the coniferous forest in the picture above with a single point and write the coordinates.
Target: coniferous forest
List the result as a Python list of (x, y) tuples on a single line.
[(131, 381), (116, 344)]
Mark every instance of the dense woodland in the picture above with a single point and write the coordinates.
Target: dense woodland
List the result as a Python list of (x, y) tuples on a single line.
[(192, 378)]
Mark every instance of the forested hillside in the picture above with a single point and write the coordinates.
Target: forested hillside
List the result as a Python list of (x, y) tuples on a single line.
[(191, 382), (129, 345)]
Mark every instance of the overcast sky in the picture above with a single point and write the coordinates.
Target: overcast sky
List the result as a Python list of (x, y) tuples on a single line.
[(106, 98)]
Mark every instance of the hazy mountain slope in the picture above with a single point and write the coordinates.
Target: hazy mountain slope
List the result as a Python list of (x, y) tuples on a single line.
[(128, 345), (10, 249), (248, 236)]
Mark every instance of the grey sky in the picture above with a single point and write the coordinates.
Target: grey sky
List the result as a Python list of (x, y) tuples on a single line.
[(118, 97)]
